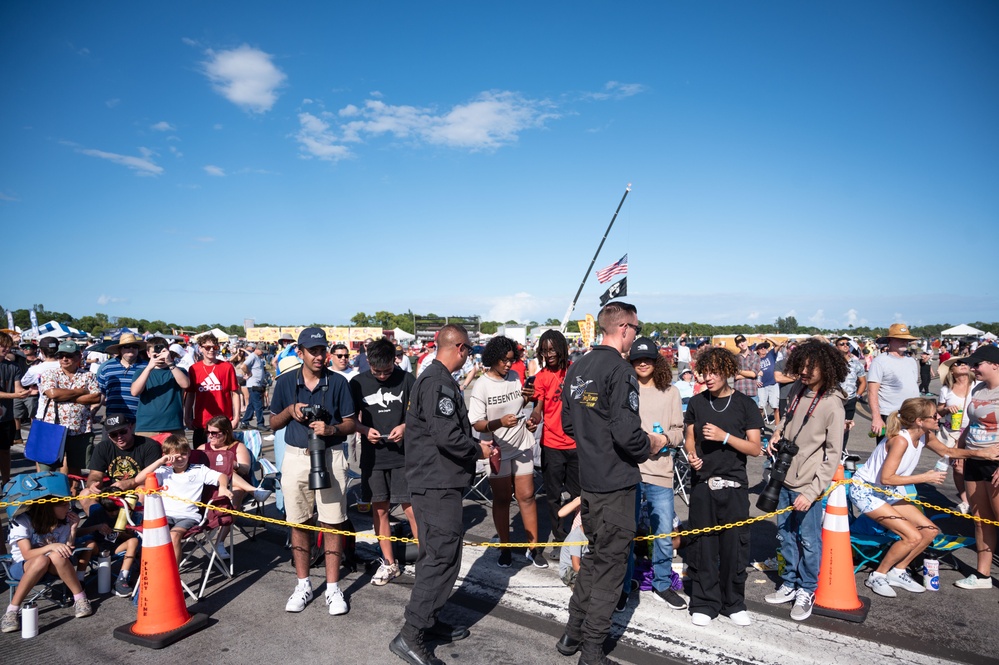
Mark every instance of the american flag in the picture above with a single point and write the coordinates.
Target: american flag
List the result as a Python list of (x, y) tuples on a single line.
[(616, 268)]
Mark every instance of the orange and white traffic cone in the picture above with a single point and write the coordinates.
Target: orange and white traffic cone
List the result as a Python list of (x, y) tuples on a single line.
[(163, 617), (836, 595)]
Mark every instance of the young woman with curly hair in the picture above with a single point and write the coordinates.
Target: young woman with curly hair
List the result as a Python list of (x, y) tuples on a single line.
[(659, 402), (722, 428), (494, 409), (814, 428)]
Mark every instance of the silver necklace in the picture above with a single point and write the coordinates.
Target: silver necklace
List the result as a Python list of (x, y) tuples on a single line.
[(711, 402)]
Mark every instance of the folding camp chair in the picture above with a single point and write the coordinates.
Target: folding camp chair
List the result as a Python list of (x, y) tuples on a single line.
[(869, 540), (480, 485), (681, 474), (200, 540), (258, 477)]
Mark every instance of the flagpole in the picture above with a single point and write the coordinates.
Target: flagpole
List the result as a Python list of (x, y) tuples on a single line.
[(572, 305)]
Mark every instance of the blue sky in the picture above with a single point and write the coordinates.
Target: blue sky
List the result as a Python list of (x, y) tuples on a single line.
[(299, 162)]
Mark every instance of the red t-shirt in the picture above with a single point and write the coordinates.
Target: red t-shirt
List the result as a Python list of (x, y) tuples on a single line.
[(521, 369), (548, 391), (212, 387)]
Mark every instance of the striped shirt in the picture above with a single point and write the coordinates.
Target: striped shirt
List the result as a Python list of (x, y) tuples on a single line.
[(114, 381)]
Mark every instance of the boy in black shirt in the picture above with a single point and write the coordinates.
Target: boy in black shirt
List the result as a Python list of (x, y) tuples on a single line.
[(381, 395)]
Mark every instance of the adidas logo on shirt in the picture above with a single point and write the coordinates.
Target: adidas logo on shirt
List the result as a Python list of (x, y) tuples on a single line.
[(211, 384)]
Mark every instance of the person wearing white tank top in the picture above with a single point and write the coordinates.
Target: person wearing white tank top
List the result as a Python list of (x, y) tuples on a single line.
[(890, 466)]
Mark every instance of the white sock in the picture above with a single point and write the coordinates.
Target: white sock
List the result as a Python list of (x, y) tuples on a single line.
[(13, 608), (305, 583), (332, 586)]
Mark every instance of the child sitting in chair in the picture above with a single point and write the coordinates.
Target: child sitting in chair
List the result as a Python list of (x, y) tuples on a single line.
[(42, 540), (178, 478)]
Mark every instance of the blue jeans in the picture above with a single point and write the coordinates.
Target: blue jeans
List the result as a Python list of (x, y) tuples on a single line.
[(255, 408), (661, 512), (800, 538)]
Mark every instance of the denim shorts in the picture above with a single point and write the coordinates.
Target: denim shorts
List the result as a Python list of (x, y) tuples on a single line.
[(867, 499)]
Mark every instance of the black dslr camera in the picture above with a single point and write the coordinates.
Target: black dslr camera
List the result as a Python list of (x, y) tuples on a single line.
[(771, 493), (319, 477)]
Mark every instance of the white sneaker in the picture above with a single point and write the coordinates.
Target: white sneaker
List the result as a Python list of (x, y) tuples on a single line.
[(962, 507), (974, 582), (299, 599), (221, 550), (902, 578), (385, 574), (336, 601), (785, 594), (879, 585), (740, 618), (699, 619)]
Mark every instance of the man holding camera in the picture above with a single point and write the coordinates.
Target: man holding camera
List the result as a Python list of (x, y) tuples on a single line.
[(440, 462), (809, 447), (314, 403)]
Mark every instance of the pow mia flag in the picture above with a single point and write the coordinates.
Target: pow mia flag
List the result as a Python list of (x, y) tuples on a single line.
[(616, 290)]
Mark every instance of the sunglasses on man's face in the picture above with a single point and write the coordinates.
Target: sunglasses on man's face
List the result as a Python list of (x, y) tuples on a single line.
[(65, 356), (341, 355)]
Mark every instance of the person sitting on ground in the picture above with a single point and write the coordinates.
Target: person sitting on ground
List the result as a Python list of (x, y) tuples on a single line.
[(891, 466), (42, 540), (571, 556), (177, 477)]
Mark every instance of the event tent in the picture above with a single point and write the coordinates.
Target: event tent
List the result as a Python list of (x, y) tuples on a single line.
[(402, 336), (59, 330), (962, 330)]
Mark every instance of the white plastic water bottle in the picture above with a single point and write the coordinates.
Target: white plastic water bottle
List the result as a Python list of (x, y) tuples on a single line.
[(942, 464), (104, 573), (29, 620)]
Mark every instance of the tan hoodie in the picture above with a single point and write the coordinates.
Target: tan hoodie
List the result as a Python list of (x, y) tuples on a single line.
[(663, 407), (820, 441)]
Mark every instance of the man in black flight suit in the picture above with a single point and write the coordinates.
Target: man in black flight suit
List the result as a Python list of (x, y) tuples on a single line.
[(600, 411), (440, 463)]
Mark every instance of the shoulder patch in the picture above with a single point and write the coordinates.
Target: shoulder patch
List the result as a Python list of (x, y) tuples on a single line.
[(445, 403)]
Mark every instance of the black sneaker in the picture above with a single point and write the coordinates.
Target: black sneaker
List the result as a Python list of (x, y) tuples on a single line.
[(122, 588), (622, 603), (505, 558), (671, 598), (536, 557)]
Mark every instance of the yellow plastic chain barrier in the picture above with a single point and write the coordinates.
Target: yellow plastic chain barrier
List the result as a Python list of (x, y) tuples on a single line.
[(400, 539)]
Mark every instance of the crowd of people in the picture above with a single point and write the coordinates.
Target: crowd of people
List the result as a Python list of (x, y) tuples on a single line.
[(605, 425)]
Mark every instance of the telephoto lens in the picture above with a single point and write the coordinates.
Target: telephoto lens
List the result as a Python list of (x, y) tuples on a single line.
[(771, 493), (319, 477)]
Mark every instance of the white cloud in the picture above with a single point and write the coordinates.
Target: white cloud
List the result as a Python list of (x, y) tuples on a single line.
[(175, 151), (517, 307), (753, 316), (142, 165), (7, 197), (376, 94), (188, 41), (245, 76), (105, 299), (211, 169), (852, 317), (617, 90), (817, 318), (792, 312), (111, 103), (491, 120), (163, 126)]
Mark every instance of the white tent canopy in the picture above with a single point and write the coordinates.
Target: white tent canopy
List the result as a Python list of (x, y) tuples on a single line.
[(962, 330), (401, 335), (220, 335)]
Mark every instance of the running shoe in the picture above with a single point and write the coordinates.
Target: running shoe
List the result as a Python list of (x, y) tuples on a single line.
[(337, 603), (803, 602), (785, 594), (505, 558), (536, 557), (902, 578), (299, 598), (671, 598), (879, 584), (386, 573)]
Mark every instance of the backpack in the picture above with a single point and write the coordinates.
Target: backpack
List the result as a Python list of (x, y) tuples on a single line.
[(27, 486)]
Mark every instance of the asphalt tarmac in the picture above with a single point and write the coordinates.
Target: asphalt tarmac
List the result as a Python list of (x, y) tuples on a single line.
[(517, 614)]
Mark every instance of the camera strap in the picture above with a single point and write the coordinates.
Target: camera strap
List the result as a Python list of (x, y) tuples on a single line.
[(794, 407)]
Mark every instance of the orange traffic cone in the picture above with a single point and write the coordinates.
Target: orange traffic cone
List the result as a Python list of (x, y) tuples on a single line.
[(162, 618), (836, 595)]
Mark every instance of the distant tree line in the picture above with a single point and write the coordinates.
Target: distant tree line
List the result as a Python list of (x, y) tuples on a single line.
[(97, 323)]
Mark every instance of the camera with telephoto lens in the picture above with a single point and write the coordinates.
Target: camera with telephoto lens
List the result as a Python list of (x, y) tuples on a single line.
[(319, 477), (158, 349), (778, 472)]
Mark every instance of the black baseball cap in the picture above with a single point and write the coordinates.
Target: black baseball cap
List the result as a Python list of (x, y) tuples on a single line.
[(117, 421), (643, 348), (984, 354), (740, 338), (49, 344)]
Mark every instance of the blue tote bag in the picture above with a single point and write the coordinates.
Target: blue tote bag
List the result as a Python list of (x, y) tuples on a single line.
[(46, 441)]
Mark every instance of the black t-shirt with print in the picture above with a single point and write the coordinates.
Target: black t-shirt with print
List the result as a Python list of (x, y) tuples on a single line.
[(382, 405), (734, 417), (118, 464)]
